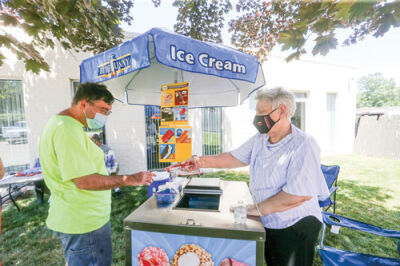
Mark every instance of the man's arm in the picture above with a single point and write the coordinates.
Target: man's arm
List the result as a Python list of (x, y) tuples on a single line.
[(102, 182), (280, 202), (222, 160)]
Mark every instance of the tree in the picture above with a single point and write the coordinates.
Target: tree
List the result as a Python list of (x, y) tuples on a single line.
[(376, 91), (201, 19), (80, 24), (93, 25), (263, 24)]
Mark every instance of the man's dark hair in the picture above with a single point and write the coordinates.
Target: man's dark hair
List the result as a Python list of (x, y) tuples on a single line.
[(92, 92), (96, 137)]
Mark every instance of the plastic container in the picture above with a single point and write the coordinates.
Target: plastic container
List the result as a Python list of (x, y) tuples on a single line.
[(165, 197), (240, 213), (160, 179)]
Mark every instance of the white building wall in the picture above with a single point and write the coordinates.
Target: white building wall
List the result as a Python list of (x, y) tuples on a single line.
[(126, 135), (47, 94), (195, 121), (311, 77)]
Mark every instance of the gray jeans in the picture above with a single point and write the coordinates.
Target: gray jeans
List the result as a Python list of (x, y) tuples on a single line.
[(89, 249)]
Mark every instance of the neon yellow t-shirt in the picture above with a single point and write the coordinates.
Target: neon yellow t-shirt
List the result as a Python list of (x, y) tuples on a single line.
[(66, 152)]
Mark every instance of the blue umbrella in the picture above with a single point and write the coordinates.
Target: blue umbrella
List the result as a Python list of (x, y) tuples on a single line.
[(134, 71)]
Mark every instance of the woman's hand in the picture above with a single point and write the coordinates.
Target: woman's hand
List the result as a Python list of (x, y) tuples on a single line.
[(252, 210), (192, 164)]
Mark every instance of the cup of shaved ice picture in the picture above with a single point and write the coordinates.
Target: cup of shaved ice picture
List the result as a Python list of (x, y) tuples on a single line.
[(192, 255), (153, 256)]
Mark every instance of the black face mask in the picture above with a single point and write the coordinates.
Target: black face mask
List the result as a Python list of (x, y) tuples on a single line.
[(264, 123)]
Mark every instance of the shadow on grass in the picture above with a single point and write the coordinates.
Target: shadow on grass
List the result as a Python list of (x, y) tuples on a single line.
[(365, 204), (25, 240), (359, 202), (132, 198)]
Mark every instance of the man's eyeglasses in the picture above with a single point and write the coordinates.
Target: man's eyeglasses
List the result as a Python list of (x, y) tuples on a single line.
[(103, 110)]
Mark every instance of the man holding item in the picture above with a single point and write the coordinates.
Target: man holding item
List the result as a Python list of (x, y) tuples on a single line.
[(74, 170)]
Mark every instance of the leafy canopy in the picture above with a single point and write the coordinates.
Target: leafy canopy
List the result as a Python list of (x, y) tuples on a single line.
[(291, 23), (94, 25), (201, 19), (374, 90), (81, 24)]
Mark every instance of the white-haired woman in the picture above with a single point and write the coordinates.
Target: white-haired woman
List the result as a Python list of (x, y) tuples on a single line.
[(285, 179)]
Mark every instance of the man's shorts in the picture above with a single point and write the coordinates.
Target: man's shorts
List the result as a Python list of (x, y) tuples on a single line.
[(93, 248)]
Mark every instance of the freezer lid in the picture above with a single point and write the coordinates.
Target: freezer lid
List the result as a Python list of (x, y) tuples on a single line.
[(204, 186), (204, 183)]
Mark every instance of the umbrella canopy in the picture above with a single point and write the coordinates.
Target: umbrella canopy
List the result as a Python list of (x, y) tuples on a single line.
[(135, 70)]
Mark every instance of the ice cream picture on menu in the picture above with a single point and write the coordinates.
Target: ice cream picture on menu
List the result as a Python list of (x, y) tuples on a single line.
[(167, 114), (167, 99), (181, 97), (181, 113), (175, 136), (167, 135), (183, 135), (167, 152)]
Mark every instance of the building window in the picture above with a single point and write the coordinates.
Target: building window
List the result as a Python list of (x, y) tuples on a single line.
[(212, 130), (330, 112), (102, 131), (14, 150), (299, 118), (74, 86), (153, 118)]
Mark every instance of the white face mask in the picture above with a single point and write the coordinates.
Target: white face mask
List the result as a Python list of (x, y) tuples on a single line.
[(97, 122)]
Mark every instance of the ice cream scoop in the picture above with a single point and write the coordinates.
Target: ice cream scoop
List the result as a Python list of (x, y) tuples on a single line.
[(189, 259), (231, 262)]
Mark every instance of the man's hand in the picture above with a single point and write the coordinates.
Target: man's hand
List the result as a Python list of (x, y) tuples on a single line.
[(141, 178)]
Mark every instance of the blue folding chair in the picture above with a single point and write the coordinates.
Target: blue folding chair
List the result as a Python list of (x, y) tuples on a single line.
[(335, 257), (331, 173)]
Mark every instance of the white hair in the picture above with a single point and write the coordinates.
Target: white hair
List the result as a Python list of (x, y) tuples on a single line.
[(278, 96)]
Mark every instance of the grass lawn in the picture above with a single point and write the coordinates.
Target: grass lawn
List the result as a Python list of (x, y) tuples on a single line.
[(369, 191)]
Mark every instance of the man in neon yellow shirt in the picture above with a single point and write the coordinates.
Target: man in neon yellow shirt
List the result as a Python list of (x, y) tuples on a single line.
[(74, 170)]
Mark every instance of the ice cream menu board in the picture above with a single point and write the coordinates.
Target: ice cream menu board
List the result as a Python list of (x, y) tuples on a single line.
[(152, 248), (175, 136)]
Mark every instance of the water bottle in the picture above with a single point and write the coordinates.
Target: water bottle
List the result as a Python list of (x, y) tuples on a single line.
[(240, 213)]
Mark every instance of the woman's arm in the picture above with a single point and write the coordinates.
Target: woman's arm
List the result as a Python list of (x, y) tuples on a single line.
[(280, 202), (222, 160)]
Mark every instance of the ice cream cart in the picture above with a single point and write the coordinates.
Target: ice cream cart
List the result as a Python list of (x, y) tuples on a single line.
[(198, 228)]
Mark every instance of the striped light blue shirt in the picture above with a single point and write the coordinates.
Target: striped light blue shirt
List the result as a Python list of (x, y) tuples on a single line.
[(291, 165)]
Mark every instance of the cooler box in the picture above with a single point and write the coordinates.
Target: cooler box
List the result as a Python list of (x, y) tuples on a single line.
[(197, 229), (160, 179)]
